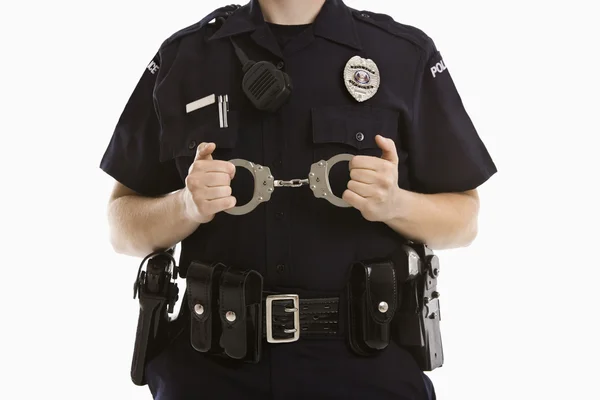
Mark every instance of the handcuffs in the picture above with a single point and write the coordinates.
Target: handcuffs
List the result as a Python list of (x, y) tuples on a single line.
[(265, 183)]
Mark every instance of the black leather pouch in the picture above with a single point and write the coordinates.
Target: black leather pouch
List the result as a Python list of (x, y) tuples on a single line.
[(202, 283), (240, 311), (372, 298)]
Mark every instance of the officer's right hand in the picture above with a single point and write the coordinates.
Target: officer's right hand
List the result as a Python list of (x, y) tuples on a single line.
[(208, 185)]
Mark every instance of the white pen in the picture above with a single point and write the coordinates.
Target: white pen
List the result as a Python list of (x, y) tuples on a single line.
[(200, 103), (220, 111)]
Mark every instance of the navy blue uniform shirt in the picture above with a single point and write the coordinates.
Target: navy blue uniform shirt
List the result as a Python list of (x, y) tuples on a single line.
[(300, 244)]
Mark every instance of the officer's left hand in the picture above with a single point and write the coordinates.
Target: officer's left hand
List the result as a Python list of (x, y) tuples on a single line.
[(373, 186)]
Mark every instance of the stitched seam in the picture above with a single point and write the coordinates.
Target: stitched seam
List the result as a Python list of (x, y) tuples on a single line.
[(320, 322), (395, 284), (242, 299), (222, 296), (320, 312), (319, 303)]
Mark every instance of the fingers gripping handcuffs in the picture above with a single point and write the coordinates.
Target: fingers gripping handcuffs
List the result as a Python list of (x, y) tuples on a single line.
[(265, 183)]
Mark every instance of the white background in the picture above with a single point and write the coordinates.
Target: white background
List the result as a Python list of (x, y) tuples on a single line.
[(519, 306)]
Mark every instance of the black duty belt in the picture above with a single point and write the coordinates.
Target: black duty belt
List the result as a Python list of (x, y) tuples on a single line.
[(288, 317), (230, 315)]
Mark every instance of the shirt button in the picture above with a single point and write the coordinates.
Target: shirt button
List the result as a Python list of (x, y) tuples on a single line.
[(280, 65), (278, 163), (360, 137), (365, 15), (280, 268), (192, 144), (279, 214)]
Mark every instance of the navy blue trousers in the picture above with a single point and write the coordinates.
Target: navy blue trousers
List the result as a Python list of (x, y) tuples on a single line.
[(307, 369)]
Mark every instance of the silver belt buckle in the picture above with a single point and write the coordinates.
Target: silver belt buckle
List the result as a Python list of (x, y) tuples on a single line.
[(296, 310)]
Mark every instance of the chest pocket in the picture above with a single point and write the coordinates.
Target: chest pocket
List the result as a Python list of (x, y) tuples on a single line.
[(181, 134), (350, 129)]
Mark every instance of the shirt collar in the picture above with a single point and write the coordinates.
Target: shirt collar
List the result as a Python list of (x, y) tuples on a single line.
[(334, 22)]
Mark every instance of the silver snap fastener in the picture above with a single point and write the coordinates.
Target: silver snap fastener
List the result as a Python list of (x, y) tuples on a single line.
[(199, 309), (383, 307), (360, 137), (230, 315)]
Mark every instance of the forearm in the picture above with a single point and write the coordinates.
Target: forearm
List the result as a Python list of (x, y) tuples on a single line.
[(140, 225), (442, 221)]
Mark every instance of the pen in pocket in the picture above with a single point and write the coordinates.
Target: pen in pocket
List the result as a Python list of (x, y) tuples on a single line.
[(220, 111)]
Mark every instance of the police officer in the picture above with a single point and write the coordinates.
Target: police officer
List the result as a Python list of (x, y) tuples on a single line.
[(360, 83)]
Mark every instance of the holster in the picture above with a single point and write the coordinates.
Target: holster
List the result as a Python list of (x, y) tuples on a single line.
[(416, 326), (372, 299), (226, 311), (157, 297)]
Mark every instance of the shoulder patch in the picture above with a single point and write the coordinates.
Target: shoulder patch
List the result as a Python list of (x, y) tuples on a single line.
[(222, 12), (388, 24)]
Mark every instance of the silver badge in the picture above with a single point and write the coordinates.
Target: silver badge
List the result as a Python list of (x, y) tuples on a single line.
[(361, 77)]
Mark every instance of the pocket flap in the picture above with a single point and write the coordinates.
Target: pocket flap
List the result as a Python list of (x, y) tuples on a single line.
[(180, 137), (381, 291), (355, 125)]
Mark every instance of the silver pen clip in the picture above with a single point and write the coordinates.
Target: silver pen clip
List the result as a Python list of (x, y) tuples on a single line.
[(220, 111), (225, 111)]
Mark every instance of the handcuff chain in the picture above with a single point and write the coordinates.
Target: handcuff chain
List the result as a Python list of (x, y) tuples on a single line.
[(291, 183)]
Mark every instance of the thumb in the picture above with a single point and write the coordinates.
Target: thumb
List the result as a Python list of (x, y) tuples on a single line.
[(388, 148), (204, 151)]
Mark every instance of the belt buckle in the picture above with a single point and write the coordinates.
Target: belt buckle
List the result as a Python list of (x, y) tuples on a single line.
[(296, 310)]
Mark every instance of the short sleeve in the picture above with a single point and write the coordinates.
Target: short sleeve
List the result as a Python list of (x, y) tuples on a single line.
[(132, 155), (445, 152)]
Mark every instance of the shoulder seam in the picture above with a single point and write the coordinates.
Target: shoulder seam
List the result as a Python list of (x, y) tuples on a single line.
[(222, 12), (382, 21)]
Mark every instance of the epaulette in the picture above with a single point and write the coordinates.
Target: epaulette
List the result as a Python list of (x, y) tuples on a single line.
[(219, 13), (388, 24)]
